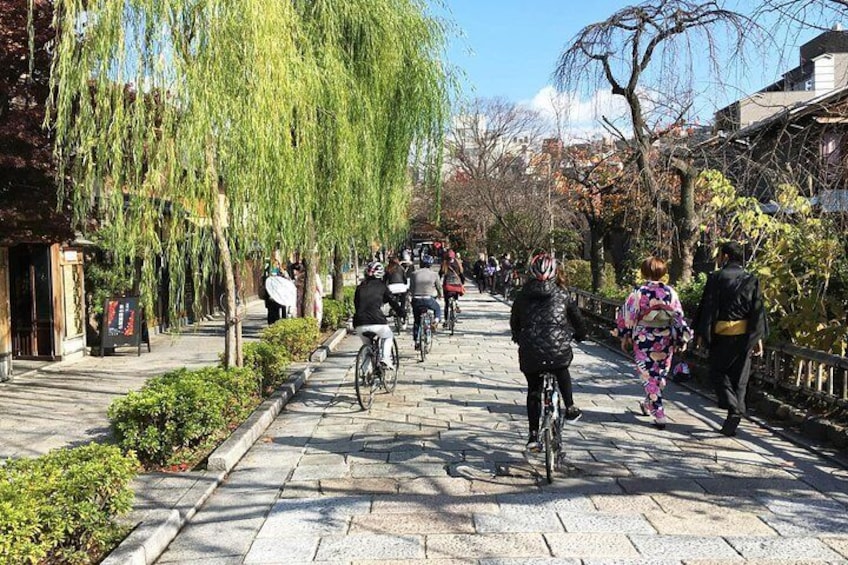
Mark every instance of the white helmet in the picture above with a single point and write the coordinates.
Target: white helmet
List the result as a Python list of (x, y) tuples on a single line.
[(543, 267)]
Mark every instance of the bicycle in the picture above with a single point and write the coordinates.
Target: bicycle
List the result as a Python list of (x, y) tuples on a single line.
[(450, 315), (424, 337), (400, 321), (370, 374), (550, 427)]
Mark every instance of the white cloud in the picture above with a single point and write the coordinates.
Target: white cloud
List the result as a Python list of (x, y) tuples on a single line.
[(579, 117)]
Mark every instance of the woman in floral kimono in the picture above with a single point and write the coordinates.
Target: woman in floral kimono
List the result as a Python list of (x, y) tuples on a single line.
[(651, 323)]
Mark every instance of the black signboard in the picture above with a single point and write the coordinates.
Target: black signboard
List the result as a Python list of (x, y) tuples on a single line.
[(122, 324)]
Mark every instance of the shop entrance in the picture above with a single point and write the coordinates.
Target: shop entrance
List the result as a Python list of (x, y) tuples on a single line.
[(31, 291)]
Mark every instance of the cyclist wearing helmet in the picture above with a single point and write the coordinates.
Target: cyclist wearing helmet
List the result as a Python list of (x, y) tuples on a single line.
[(543, 322), (368, 316), (424, 286)]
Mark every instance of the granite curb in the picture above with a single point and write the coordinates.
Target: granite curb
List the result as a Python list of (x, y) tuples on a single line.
[(151, 537)]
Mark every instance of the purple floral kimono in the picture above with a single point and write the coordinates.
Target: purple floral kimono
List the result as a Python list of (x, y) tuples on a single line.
[(652, 317)]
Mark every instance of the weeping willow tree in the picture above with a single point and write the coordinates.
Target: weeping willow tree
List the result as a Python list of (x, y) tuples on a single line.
[(384, 92), (202, 130)]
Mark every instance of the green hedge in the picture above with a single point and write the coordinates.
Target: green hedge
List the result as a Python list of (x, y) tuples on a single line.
[(62, 507), (175, 413), (348, 293), (269, 362), (335, 314), (298, 336)]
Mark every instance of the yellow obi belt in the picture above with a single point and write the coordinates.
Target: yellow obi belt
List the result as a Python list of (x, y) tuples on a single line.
[(734, 327)]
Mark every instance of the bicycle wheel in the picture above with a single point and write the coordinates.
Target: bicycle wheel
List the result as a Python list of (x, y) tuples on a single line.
[(428, 337), (390, 375), (364, 377), (550, 454), (398, 323), (452, 316), (422, 341)]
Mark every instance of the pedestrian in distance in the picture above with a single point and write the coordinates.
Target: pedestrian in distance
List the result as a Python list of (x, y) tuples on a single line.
[(479, 271), (652, 327), (731, 323), (543, 322)]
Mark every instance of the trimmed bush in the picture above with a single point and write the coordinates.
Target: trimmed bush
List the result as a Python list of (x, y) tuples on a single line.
[(270, 362), (180, 410), (348, 294), (62, 507), (298, 336), (335, 314)]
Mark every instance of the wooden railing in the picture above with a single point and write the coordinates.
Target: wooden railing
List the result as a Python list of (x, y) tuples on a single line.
[(786, 366)]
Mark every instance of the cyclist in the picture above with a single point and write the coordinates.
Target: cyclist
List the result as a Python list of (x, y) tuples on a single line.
[(397, 282), (543, 322), (453, 278), (368, 316), (424, 286)]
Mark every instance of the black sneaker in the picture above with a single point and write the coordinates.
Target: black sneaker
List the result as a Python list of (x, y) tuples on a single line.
[(533, 442), (572, 414)]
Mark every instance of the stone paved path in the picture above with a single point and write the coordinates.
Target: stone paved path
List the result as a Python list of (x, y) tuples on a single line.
[(436, 473), (64, 404)]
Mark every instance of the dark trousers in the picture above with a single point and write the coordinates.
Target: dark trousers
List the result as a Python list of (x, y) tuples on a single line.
[(535, 382), (275, 311), (730, 368), (419, 305)]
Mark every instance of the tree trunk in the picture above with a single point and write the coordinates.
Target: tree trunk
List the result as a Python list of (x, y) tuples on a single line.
[(310, 274), (596, 255), (338, 275), (232, 320), (355, 262), (686, 225)]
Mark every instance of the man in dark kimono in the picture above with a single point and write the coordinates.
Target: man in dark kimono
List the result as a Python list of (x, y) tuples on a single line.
[(731, 323)]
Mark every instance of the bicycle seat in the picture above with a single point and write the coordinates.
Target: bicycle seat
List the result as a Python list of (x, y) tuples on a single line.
[(369, 335), (422, 309)]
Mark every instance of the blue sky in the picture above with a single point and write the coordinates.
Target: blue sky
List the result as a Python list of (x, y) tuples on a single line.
[(509, 49)]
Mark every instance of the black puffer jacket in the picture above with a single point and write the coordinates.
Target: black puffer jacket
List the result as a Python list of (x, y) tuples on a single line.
[(543, 323)]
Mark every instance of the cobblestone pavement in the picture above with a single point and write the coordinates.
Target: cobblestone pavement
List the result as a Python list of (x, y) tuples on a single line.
[(64, 404), (436, 473)]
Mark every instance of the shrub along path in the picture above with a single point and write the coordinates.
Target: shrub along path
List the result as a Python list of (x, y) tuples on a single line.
[(64, 404), (437, 472)]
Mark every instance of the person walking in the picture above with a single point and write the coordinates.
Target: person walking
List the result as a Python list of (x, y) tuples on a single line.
[(651, 326), (731, 323), (543, 322), (479, 271)]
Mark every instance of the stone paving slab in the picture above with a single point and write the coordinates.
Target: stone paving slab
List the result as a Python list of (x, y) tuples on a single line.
[(436, 474), (486, 545), (590, 545)]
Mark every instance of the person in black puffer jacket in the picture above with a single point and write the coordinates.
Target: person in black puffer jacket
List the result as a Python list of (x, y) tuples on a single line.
[(543, 323)]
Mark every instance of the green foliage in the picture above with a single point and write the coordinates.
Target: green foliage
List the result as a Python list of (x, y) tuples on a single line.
[(568, 243), (298, 336), (335, 314), (349, 293), (690, 294), (62, 507), (103, 280), (175, 413), (310, 112), (795, 253), (578, 273), (270, 362)]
